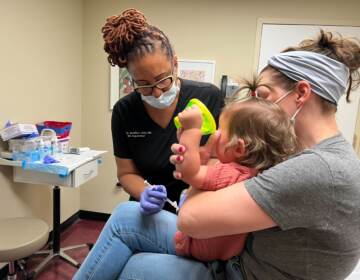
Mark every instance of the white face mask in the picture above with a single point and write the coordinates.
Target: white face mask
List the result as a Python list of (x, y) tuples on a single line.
[(164, 100), (292, 119)]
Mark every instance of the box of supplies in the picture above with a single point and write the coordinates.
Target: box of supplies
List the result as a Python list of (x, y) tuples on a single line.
[(62, 129), (18, 130)]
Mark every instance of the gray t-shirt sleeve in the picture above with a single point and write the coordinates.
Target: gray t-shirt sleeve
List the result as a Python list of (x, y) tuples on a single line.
[(295, 193)]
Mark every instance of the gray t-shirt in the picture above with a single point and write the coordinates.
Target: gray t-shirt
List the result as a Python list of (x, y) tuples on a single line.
[(314, 198)]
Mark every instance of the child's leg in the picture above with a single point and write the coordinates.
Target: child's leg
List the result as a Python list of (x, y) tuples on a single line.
[(218, 248), (125, 233)]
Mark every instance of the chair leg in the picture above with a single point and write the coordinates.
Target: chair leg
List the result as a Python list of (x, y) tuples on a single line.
[(22, 266), (12, 271)]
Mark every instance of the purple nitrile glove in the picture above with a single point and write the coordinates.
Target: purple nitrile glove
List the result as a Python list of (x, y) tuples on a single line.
[(182, 198), (49, 160), (152, 199)]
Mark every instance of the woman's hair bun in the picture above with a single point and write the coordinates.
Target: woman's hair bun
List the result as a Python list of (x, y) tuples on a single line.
[(120, 32), (343, 49)]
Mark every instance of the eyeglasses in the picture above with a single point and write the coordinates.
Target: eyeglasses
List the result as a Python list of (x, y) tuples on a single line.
[(163, 84)]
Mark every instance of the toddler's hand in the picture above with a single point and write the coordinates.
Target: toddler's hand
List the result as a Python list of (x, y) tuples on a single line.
[(191, 117), (206, 152)]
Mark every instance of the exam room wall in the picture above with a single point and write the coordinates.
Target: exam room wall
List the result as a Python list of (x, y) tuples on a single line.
[(224, 31), (41, 72)]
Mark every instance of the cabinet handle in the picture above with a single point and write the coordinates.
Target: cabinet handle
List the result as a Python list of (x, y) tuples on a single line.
[(88, 174)]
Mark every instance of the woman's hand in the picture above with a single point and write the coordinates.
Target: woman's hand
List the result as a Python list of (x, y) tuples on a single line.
[(153, 199), (206, 152)]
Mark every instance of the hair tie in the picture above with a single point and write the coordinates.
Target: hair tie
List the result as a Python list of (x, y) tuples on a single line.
[(253, 93)]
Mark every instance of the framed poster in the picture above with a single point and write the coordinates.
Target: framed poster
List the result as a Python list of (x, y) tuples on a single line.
[(120, 84), (197, 70)]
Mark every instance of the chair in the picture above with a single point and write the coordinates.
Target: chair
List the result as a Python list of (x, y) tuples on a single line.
[(20, 238)]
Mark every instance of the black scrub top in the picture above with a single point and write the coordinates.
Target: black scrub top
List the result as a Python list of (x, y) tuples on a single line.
[(136, 136)]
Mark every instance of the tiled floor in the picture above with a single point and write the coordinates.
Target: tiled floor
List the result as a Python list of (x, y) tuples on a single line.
[(82, 231)]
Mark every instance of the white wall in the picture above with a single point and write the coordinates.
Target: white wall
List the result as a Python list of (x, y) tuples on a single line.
[(41, 79)]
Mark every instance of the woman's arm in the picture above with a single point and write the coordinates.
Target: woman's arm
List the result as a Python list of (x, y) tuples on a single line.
[(224, 212), (129, 177)]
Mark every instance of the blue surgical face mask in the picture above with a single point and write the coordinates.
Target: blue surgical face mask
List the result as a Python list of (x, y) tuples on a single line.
[(164, 100)]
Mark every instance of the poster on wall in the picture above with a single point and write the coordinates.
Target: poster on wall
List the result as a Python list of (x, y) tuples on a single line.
[(197, 70), (120, 84)]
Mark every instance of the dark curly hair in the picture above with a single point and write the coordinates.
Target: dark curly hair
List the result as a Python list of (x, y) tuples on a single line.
[(128, 35)]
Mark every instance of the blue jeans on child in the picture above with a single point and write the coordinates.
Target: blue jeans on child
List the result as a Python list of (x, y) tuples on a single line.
[(134, 246)]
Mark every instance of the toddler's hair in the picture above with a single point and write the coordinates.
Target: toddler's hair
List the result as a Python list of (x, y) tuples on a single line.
[(266, 130)]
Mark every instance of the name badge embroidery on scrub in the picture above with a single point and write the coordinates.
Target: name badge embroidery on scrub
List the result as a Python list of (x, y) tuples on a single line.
[(137, 134)]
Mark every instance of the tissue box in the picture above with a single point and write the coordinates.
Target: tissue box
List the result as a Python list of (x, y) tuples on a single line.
[(17, 130)]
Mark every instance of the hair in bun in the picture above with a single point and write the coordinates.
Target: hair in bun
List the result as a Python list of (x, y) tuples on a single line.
[(129, 35)]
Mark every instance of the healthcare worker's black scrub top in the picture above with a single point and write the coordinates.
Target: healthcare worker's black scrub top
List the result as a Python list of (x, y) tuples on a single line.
[(136, 136)]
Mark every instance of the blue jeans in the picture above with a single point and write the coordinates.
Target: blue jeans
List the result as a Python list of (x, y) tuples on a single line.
[(134, 246)]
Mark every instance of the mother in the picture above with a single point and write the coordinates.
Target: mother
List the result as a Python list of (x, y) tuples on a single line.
[(304, 214)]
